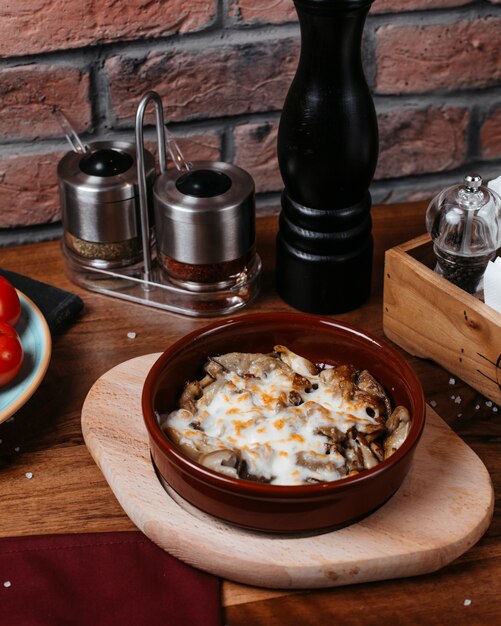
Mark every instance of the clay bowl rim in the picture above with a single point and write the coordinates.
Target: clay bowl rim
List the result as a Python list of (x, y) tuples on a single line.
[(254, 489)]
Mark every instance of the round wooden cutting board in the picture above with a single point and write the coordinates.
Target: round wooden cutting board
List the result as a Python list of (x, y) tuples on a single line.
[(443, 507)]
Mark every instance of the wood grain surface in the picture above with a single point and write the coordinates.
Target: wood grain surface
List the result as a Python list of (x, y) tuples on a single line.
[(423, 527), (68, 493), (448, 325)]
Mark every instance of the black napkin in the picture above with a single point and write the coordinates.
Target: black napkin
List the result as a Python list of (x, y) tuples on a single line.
[(59, 307)]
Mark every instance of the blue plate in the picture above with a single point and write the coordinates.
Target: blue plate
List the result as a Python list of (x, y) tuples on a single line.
[(37, 345)]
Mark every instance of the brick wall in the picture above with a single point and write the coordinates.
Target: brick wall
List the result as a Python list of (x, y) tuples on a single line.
[(223, 68)]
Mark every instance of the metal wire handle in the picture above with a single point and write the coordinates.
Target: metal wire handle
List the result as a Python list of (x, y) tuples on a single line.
[(141, 173)]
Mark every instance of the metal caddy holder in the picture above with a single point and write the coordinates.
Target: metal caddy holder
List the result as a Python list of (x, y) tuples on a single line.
[(145, 283)]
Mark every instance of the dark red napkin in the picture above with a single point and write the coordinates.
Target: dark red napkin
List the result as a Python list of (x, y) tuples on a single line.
[(101, 579)]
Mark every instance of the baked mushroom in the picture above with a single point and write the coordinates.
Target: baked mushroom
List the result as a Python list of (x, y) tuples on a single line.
[(332, 421), (398, 425), (222, 461)]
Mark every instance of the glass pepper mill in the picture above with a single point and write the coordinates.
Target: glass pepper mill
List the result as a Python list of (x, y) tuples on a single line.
[(327, 152), (464, 222)]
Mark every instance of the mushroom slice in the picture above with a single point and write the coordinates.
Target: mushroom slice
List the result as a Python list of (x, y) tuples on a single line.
[(191, 393), (399, 415), (340, 379), (322, 467), (213, 368), (249, 363), (400, 422), (335, 439), (331, 432), (206, 381), (298, 363), (194, 446), (369, 401), (377, 450), (396, 439), (372, 432), (294, 398), (221, 461), (211, 390), (300, 382), (367, 383), (243, 472), (361, 457), (340, 373), (185, 445), (353, 453), (370, 459)]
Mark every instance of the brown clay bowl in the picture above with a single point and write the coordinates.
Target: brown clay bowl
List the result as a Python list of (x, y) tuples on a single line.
[(274, 508)]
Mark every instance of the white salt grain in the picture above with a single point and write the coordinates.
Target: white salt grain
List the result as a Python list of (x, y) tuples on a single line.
[(458, 400), (433, 403), (452, 381), (495, 409), (29, 475), (131, 335), (467, 602), (460, 415), (17, 448), (453, 397), (488, 403), (7, 584), (477, 406)]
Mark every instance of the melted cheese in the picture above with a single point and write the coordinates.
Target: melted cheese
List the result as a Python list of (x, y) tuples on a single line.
[(279, 443)]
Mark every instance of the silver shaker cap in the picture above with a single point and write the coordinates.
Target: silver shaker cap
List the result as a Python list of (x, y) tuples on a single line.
[(97, 207), (205, 216)]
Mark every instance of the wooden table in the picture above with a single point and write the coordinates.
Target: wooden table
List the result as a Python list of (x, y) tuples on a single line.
[(68, 493)]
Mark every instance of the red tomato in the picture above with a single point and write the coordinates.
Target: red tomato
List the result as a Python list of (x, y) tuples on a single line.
[(10, 307), (11, 354)]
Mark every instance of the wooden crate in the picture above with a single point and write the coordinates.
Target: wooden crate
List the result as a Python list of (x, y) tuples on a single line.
[(432, 318)]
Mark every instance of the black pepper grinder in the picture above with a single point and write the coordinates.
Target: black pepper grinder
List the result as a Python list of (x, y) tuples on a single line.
[(327, 152), (464, 222)]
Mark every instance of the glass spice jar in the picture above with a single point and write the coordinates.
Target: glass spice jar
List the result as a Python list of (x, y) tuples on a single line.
[(205, 227), (100, 207), (464, 222)]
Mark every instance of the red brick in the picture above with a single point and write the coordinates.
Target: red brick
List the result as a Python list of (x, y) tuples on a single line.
[(205, 147), (200, 147), (61, 24), (424, 194), (398, 6), (439, 56), (28, 92), (229, 80), (28, 190), (256, 152), (417, 142), (282, 11), (490, 134), (263, 11)]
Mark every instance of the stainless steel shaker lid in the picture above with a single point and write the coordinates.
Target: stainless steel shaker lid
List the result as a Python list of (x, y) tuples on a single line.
[(99, 191), (205, 216)]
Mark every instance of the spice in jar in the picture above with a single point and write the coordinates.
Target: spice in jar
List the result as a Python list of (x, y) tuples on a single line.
[(205, 277), (128, 250), (465, 272)]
